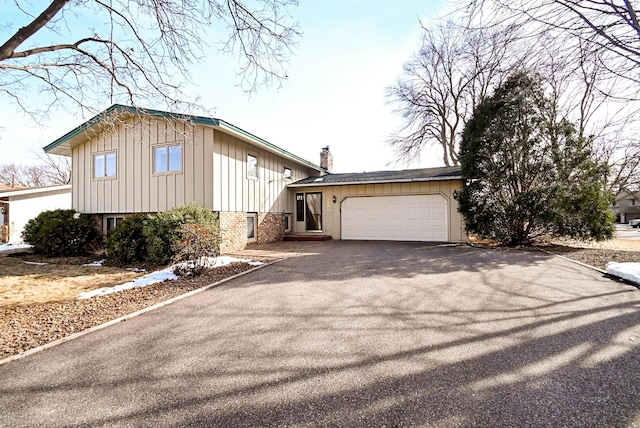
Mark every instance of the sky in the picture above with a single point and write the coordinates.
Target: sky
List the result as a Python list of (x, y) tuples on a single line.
[(350, 52)]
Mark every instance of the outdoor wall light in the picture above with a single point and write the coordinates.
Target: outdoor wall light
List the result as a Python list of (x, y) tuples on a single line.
[(334, 199)]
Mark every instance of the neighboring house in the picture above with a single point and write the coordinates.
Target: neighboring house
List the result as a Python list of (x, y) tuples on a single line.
[(19, 205), (129, 160), (626, 206)]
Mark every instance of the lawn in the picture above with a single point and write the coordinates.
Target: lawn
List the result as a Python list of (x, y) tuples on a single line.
[(28, 282)]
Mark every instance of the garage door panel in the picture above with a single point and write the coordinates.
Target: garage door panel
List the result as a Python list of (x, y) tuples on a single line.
[(399, 218)]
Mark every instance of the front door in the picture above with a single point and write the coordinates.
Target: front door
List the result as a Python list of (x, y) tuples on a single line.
[(309, 211)]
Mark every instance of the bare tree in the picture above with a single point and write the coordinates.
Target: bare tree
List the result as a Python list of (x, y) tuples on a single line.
[(453, 70), (34, 175), (55, 169), (611, 25), (90, 53)]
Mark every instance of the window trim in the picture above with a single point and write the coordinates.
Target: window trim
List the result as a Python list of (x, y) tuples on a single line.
[(255, 227), (166, 147), (288, 220), (284, 173), (117, 218), (104, 154), (255, 156)]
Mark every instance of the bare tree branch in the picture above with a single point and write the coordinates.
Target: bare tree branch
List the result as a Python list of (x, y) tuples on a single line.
[(142, 53), (454, 69)]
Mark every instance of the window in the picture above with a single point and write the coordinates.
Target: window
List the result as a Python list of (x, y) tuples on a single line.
[(251, 226), (104, 165), (287, 222), (167, 158), (299, 206), (252, 166), (286, 172), (112, 222), (633, 202)]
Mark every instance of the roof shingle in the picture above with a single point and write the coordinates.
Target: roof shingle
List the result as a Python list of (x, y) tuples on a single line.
[(407, 175)]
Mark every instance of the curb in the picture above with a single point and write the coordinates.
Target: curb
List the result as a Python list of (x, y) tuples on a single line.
[(603, 272), (129, 316)]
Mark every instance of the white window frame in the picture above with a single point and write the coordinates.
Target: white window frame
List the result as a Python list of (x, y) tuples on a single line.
[(249, 176), (254, 216), (166, 147), (289, 217), (103, 174), (284, 173)]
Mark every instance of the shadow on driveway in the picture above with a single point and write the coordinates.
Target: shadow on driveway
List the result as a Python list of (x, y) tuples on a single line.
[(357, 334)]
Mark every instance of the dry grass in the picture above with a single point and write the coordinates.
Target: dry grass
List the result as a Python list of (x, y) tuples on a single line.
[(22, 283)]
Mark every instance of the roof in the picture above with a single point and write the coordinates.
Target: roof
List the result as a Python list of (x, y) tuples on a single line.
[(34, 190), (80, 134), (404, 176), (8, 188), (627, 194)]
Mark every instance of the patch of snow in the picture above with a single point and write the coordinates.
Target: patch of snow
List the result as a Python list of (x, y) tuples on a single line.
[(160, 276), (152, 278), (9, 247), (318, 180), (628, 271), (136, 270), (96, 263), (35, 263)]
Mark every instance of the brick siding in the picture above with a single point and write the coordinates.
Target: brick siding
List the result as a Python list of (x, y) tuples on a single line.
[(233, 230)]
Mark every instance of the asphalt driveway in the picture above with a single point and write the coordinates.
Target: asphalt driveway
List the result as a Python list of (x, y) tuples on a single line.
[(357, 334)]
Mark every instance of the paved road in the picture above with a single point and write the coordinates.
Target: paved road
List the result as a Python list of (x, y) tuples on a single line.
[(626, 232), (357, 334)]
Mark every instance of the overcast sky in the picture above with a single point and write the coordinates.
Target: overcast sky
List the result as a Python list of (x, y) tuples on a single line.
[(351, 50)]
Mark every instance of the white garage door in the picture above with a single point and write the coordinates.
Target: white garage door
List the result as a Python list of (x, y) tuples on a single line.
[(395, 218)]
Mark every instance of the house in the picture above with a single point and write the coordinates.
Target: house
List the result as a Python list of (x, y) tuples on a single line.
[(19, 205), (128, 160), (626, 206)]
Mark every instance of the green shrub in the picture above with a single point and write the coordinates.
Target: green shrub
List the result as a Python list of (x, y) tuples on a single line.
[(162, 230), (60, 233), (126, 242), (197, 243)]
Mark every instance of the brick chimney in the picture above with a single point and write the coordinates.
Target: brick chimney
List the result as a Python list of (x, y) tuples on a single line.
[(326, 159)]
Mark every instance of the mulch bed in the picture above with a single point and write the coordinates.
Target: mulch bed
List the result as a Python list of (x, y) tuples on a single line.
[(23, 327), (595, 257)]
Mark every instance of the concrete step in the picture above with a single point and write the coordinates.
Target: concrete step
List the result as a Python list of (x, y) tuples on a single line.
[(295, 237)]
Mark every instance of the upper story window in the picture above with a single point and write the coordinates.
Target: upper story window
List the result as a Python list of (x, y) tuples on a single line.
[(632, 201), (286, 172), (252, 166), (167, 158), (104, 165)]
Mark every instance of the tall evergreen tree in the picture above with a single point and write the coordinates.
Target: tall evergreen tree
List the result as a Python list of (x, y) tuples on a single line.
[(526, 173)]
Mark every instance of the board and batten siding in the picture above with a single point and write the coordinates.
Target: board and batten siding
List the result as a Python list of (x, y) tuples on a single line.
[(213, 171), (234, 192), (331, 210)]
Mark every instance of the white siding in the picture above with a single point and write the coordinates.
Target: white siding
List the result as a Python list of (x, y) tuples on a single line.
[(25, 207)]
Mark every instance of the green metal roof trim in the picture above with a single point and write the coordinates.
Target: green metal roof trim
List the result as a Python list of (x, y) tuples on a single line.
[(201, 120)]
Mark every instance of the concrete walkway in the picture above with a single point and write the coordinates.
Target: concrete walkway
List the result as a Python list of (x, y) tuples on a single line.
[(357, 334)]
